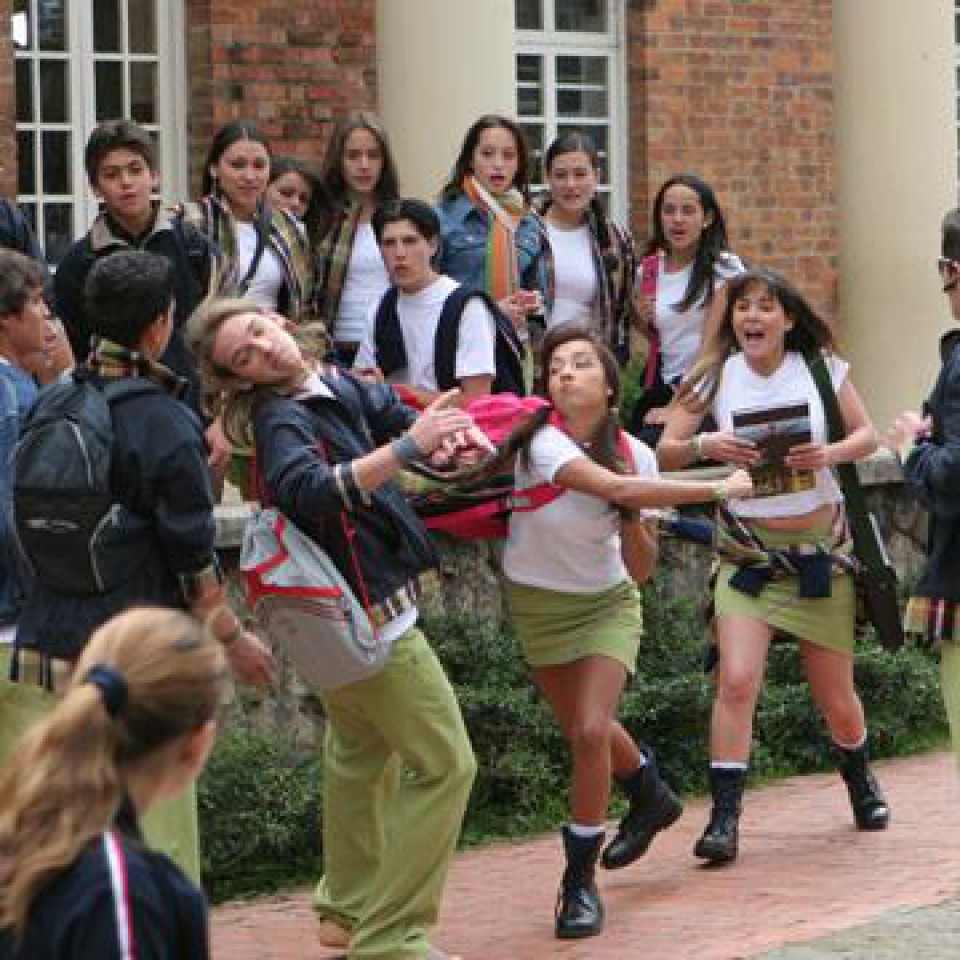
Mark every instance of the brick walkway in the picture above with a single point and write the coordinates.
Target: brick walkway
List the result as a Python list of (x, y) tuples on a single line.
[(803, 872)]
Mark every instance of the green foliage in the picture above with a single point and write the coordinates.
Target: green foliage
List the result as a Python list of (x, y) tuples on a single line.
[(259, 804), (260, 797), (631, 389)]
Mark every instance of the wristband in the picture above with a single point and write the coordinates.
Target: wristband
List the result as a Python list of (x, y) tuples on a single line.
[(405, 449), (720, 493), (697, 442)]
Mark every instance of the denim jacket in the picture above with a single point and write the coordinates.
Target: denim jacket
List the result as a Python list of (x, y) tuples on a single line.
[(463, 246), (17, 393)]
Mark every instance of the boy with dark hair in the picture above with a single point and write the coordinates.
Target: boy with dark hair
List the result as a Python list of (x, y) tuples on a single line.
[(428, 331), (120, 161), (929, 444), (160, 485)]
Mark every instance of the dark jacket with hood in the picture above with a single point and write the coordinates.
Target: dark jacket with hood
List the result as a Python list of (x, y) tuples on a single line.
[(932, 471)]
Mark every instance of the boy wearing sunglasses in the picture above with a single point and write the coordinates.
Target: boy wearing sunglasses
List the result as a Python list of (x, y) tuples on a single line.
[(930, 447)]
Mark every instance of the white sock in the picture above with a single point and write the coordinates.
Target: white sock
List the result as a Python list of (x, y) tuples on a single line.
[(727, 765), (852, 746), (586, 829)]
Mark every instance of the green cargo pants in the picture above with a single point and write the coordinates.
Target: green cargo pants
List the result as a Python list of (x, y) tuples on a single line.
[(398, 768)]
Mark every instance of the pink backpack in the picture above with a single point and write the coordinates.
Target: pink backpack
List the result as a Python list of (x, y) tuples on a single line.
[(481, 511)]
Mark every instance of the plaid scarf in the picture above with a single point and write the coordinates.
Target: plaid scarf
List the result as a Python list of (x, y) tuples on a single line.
[(934, 621), (332, 260), (811, 563), (504, 213), (112, 361), (615, 265), (282, 236)]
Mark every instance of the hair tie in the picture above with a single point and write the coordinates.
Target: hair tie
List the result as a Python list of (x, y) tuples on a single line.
[(113, 688)]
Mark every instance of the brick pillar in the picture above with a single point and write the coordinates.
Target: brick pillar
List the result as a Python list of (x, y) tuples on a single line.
[(8, 112), (741, 92), (288, 67)]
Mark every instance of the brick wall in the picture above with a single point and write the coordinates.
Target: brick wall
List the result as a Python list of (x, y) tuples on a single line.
[(8, 122), (288, 67), (741, 92)]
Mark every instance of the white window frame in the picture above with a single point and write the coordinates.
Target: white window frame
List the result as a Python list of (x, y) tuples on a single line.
[(549, 43), (171, 106)]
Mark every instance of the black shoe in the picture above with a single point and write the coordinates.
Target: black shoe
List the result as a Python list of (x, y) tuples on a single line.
[(719, 841), (579, 910), (870, 810), (653, 807)]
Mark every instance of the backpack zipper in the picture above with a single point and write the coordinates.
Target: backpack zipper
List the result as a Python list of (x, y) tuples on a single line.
[(108, 518)]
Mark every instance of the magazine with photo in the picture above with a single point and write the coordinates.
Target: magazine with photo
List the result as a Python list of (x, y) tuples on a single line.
[(775, 430)]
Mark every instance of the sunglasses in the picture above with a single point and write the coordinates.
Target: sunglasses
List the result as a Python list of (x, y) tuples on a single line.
[(948, 269)]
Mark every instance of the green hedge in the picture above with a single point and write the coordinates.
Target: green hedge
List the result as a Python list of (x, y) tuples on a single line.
[(259, 800)]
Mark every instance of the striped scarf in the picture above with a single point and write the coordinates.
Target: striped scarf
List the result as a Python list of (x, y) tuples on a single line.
[(283, 237), (332, 260), (504, 213), (111, 361)]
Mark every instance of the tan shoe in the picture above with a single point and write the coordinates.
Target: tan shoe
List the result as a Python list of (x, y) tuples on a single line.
[(332, 934)]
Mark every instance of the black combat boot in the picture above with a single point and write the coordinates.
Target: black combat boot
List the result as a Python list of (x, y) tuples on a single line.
[(719, 841), (653, 807), (579, 908), (870, 810)]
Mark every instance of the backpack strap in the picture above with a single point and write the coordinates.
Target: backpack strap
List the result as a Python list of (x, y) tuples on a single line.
[(508, 351), (390, 352)]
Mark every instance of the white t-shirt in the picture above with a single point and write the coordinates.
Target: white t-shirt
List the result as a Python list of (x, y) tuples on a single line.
[(265, 285), (681, 334), (419, 314), (366, 281), (571, 544), (741, 388), (575, 275)]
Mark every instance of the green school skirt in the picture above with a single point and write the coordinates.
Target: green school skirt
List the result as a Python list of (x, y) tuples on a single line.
[(824, 621), (555, 628)]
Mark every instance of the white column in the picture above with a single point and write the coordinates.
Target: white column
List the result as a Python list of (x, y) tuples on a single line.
[(440, 65), (896, 121)]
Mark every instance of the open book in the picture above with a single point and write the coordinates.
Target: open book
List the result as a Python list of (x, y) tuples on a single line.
[(775, 430)]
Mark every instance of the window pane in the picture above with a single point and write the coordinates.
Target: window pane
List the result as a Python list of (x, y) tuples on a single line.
[(582, 103), (58, 230), (591, 70), (106, 26), (53, 91), (529, 14), (56, 161), (109, 91), (24, 92), (143, 92), (26, 180), (533, 132), (584, 16), (21, 27), (529, 102), (52, 25), (141, 17), (529, 69)]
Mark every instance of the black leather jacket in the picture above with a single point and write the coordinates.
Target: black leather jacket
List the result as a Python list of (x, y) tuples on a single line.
[(933, 472), (305, 451)]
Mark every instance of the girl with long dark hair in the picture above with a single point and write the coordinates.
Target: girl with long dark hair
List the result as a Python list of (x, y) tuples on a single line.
[(359, 177), (591, 265), (681, 293), (784, 557)]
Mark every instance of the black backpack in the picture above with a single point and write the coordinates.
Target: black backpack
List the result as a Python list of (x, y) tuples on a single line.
[(508, 350), (74, 535)]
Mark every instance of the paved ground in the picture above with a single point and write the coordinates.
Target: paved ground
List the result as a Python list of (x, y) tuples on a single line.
[(805, 879)]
